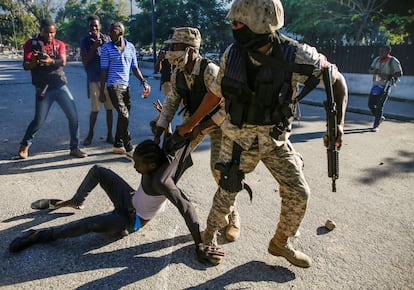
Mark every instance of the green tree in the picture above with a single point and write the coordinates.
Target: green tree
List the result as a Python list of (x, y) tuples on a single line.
[(72, 18), (207, 15), (358, 21), (398, 21), (17, 23)]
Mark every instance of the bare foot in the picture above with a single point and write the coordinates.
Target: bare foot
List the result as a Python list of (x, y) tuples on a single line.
[(69, 203)]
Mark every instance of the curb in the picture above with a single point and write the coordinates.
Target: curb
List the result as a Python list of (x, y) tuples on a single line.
[(362, 111), (390, 98)]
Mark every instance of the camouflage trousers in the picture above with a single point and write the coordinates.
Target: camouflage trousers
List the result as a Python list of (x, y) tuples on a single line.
[(215, 146), (286, 166)]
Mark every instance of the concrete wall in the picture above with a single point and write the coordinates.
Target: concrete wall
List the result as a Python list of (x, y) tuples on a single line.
[(361, 84)]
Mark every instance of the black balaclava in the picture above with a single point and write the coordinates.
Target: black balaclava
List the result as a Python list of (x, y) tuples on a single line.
[(250, 40)]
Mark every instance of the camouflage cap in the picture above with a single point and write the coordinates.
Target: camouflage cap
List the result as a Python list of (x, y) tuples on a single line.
[(186, 35), (261, 16)]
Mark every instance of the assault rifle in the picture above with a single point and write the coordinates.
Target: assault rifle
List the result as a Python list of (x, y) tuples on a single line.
[(331, 118)]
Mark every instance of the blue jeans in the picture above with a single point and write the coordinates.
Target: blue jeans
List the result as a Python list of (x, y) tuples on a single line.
[(376, 106), (66, 102)]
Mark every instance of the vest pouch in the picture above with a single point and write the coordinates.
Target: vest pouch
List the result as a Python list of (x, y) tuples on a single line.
[(286, 107), (377, 90), (237, 112), (266, 85), (233, 90), (237, 98)]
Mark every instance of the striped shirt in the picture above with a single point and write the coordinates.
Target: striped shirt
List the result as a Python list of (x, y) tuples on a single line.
[(118, 64)]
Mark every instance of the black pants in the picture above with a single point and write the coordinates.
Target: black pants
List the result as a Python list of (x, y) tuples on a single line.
[(376, 106), (121, 100), (120, 219)]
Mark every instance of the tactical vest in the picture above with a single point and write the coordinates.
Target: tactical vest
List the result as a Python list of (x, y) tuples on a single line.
[(261, 95), (51, 75), (192, 97)]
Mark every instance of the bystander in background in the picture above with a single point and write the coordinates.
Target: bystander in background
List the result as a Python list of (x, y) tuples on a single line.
[(90, 49), (386, 70), (118, 58), (45, 57)]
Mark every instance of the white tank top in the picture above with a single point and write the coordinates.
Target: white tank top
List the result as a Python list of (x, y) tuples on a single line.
[(147, 206)]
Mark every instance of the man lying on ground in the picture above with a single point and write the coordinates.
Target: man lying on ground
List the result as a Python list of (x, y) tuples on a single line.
[(133, 209)]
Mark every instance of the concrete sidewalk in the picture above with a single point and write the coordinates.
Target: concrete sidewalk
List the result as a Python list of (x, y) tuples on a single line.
[(394, 108)]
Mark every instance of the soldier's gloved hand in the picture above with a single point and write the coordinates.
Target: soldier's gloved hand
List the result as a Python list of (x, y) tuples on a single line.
[(157, 134), (175, 142), (183, 129)]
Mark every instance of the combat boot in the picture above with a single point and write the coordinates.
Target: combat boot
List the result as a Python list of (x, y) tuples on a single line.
[(233, 228), (280, 246)]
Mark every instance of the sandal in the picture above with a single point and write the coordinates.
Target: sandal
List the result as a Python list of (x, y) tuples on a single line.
[(211, 254), (45, 204)]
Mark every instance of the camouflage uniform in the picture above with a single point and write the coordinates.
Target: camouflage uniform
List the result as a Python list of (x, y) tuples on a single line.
[(173, 101), (191, 36), (279, 156)]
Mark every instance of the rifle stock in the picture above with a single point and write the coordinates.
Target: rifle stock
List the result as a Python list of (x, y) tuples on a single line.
[(331, 118)]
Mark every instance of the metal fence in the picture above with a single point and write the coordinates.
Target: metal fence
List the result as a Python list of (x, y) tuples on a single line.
[(357, 59)]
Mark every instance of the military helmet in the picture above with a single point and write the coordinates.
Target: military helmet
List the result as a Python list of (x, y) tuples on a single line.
[(186, 35), (261, 16)]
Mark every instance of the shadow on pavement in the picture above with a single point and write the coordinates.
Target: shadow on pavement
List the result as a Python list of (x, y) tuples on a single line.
[(63, 258), (37, 215), (357, 131), (322, 230), (388, 167), (254, 271), (30, 165), (305, 137)]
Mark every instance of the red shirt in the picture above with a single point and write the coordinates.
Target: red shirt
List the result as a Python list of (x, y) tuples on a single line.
[(55, 48)]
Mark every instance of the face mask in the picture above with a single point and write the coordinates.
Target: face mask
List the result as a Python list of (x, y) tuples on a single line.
[(250, 40), (177, 58)]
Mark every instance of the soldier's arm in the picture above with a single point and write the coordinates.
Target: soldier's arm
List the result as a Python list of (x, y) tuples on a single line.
[(340, 91), (209, 102), (170, 106)]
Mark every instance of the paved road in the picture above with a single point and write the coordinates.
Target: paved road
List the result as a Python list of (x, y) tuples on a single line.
[(371, 248)]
